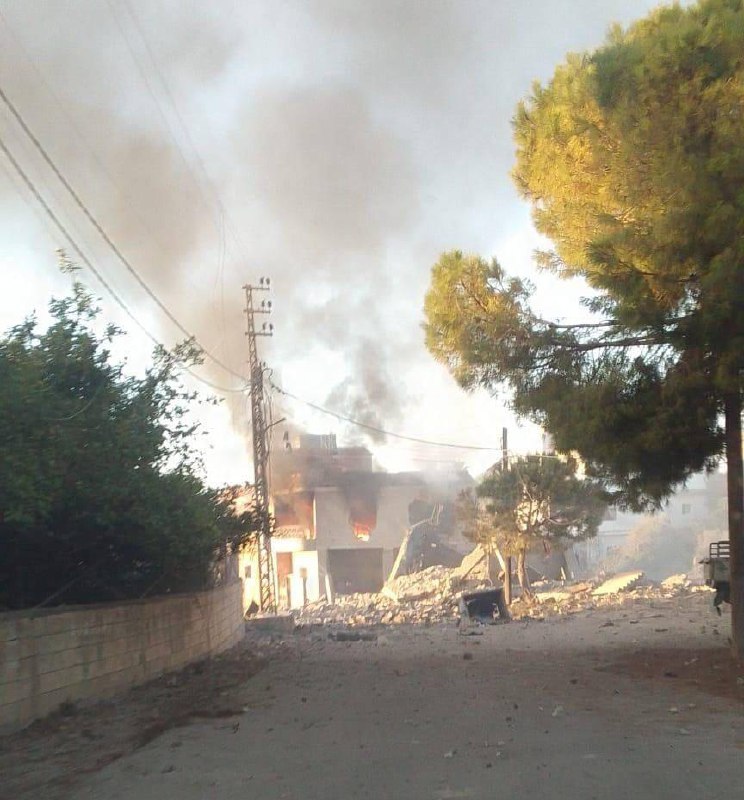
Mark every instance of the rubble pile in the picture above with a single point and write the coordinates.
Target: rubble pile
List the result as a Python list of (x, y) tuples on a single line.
[(431, 596), (424, 597), (626, 589), (434, 581), (618, 583), (378, 609)]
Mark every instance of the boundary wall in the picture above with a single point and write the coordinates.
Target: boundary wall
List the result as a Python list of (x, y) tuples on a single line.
[(63, 655)]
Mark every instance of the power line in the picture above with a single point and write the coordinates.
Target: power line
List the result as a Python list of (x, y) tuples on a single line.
[(63, 109), (163, 116), (210, 184), (84, 258), (222, 217), (374, 429), (93, 221), (381, 431)]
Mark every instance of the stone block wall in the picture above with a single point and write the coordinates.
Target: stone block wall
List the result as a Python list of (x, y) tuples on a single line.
[(50, 657)]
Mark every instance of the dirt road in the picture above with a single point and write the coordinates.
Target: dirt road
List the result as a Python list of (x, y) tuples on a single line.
[(607, 705)]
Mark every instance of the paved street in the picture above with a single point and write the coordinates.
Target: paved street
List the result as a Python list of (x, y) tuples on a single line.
[(602, 705)]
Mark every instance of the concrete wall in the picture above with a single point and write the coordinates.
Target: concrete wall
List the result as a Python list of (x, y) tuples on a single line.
[(308, 561), (333, 529), (89, 652), (304, 556)]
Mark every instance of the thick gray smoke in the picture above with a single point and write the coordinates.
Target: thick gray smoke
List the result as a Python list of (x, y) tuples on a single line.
[(350, 143), (369, 395)]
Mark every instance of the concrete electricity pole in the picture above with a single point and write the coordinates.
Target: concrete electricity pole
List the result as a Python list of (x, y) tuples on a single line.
[(260, 442)]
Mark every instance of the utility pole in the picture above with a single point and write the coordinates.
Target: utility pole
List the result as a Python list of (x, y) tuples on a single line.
[(260, 442), (508, 559)]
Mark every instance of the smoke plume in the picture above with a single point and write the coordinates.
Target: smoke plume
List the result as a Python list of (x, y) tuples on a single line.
[(337, 146)]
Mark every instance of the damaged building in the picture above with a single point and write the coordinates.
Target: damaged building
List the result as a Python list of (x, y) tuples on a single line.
[(340, 522)]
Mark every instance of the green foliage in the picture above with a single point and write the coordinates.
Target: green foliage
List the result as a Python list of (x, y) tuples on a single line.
[(534, 500), (632, 158), (100, 497), (470, 305)]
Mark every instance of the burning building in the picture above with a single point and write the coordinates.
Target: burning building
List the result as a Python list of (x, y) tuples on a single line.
[(339, 521)]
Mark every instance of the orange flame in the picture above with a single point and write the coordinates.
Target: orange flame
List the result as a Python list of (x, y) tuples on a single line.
[(361, 531)]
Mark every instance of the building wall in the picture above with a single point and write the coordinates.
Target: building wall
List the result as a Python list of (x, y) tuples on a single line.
[(697, 509), (306, 560), (332, 518), (90, 652), (333, 529), (304, 557)]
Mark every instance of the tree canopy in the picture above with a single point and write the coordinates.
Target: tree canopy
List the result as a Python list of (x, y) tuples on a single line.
[(632, 158), (532, 500), (100, 493), (642, 422)]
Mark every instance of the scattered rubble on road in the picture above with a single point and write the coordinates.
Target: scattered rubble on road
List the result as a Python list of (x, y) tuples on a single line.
[(46, 758), (432, 596)]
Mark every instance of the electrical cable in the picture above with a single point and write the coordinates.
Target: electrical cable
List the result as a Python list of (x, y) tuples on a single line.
[(84, 258), (205, 185), (374, 429), (91, 151), (86, 144), (94, 222)]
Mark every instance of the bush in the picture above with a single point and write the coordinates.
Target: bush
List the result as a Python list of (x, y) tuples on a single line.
[(100, 494)]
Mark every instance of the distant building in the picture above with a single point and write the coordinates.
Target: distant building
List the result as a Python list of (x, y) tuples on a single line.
[(691, 519)]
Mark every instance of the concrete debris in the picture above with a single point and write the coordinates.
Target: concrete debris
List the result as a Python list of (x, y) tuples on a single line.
[(433, 595), (675, 581), (618, 583), (435, 580), (474, 566), (380, 609), (425, 597), (552, 597), (580, 588)]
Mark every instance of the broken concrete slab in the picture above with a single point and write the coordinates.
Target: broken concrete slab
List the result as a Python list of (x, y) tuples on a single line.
[(552, 597), (675, 581), (435, 580), (478, 566), (618, 583)]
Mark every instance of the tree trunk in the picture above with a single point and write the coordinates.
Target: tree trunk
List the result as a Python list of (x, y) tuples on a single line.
[(524, 580), (508, 582), (735, 486)]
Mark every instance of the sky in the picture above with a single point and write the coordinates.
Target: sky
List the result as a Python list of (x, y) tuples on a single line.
[(337, 146)]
